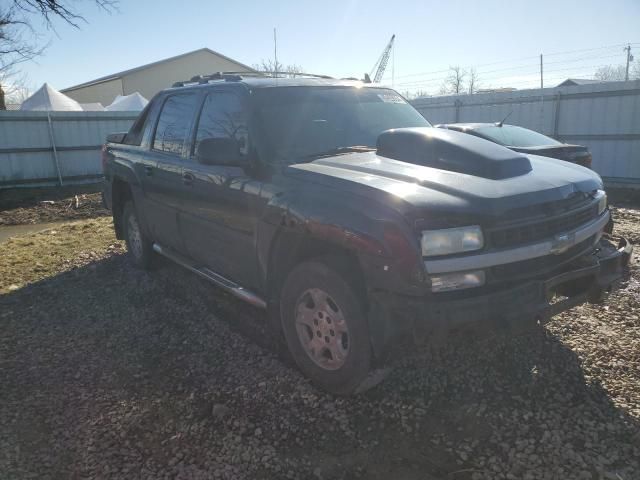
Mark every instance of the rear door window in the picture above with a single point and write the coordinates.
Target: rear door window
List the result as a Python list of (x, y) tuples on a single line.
[(174, 123), (223, 116)]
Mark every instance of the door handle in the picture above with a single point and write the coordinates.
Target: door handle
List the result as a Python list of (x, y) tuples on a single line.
[(148, 170), (188, 178)]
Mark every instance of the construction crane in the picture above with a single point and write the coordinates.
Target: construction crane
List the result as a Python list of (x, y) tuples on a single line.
[(381, 64)]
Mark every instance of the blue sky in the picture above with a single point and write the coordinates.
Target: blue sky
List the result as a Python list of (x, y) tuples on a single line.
[(345, 38)]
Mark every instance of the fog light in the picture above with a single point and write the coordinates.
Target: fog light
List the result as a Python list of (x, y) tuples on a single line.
[(457, 281)]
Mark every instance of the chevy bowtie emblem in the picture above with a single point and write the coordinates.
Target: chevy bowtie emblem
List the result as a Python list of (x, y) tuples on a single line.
[(561, 243)]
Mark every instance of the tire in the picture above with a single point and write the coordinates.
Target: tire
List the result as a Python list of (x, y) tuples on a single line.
[(325, 327), (139, 246)]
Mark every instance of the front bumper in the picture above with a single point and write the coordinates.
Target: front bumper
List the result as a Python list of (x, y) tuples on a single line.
[(395, 318)]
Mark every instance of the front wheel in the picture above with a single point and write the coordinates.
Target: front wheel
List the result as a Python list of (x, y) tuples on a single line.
[(325, 327)]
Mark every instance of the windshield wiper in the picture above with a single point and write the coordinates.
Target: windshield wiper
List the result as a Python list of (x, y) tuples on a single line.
[(339, 151)]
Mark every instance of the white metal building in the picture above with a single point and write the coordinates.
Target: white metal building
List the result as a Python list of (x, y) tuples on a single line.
[(151, 78)]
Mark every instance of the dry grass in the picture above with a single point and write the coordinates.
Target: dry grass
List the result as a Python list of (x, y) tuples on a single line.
[(30, 258)]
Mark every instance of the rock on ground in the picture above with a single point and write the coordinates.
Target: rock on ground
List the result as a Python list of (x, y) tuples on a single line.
[(110, 372)]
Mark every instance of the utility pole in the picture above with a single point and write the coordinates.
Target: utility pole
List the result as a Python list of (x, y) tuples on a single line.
[(541, 96), (629, 60), (275, 52)]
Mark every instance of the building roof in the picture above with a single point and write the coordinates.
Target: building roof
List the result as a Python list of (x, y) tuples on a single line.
[(115, 76), (571, 82)]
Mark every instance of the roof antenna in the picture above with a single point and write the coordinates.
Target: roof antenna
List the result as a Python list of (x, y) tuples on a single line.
[(499, 124)]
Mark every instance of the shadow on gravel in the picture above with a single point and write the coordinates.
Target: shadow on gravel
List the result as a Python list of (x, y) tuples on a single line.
[(110, 372)]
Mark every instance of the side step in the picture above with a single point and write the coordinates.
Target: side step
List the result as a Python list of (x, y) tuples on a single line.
[(222, 282)]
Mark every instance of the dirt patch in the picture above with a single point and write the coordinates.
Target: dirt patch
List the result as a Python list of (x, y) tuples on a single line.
[(111, 372), (42, 210)]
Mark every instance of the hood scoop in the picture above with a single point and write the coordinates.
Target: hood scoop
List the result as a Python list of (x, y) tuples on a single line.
[(452, 151)]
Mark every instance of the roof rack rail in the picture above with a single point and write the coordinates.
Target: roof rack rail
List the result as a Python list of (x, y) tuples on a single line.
[(237, 76), (228, 76), (295, 75)]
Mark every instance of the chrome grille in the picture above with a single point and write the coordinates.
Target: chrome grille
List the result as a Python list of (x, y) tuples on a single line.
[(529, 232)]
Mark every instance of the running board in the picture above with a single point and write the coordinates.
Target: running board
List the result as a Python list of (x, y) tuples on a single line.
[(222, 282)]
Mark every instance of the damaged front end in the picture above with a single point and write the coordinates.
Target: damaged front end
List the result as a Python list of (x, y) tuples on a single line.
[(514, 306)]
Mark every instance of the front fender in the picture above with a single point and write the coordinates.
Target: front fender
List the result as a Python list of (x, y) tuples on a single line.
[(381, 239)]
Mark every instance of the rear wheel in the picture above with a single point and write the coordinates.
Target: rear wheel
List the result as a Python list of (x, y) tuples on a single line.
[(139, 246), (325, 327)]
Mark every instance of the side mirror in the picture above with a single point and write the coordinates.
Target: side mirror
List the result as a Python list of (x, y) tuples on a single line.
[(219, 151)]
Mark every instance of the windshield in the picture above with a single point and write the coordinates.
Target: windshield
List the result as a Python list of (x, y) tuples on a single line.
[(300, 122), (513, 136)]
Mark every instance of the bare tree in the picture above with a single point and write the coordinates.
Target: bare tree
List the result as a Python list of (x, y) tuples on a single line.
[(19, 40), (270, 66), (474, 80), (608, 73), (635, 71), (410, 95), (454, 82), (16, 87)]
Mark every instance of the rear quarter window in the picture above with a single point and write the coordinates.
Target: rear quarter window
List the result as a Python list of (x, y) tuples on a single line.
[(136, 132)]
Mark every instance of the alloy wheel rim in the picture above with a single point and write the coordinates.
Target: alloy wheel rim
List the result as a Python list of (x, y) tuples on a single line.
[(322, 329)]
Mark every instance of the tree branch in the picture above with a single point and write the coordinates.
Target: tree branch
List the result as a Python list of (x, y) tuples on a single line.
[(19, 41)]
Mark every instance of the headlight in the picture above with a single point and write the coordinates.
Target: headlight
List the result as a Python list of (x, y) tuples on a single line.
[(601, 195), (451, 240), (444, 282)]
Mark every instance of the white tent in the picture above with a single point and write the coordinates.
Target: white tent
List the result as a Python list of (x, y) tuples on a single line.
[(92, 107), (48, 98), (133, 102)]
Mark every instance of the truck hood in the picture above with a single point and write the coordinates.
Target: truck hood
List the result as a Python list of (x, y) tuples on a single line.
[(424, 190)]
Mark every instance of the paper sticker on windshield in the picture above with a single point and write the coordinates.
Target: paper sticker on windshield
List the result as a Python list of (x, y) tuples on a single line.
[(391, 97)]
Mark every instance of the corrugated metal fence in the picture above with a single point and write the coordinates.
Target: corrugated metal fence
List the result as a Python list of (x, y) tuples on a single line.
[(53, 148), (40, 148), (604, 116)]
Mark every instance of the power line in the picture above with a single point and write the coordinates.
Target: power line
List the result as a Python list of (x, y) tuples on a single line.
[(534, 70), (533, 65), (534, 58), (591, 49), (532, 83), (550, 63)]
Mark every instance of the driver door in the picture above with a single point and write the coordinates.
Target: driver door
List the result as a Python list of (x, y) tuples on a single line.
[(218, 219)]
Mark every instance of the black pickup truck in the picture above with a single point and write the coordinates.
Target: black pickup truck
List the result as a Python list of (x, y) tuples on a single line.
[(360, 228)]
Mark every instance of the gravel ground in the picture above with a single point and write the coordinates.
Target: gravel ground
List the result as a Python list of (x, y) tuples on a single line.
[(39, 210), (110, 372)]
